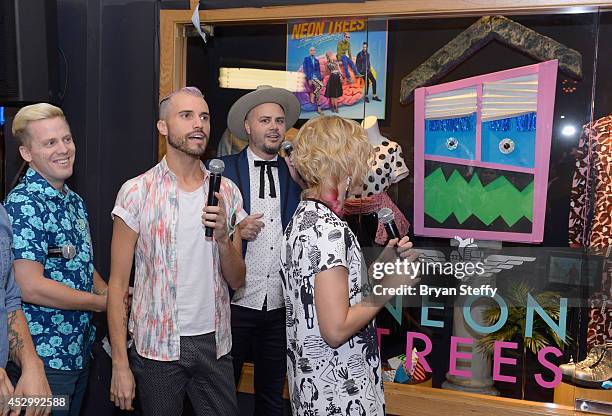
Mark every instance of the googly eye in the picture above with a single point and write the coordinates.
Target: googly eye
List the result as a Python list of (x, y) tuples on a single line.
[(506, 146), (452, 143)]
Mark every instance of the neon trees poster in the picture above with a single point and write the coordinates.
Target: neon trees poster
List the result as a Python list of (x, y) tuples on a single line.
[(328, 35)]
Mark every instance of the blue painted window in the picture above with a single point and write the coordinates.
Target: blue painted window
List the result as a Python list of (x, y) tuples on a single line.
[(451, 137), (510, 141)]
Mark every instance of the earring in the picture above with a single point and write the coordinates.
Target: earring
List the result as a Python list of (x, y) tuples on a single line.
[(348, 187)]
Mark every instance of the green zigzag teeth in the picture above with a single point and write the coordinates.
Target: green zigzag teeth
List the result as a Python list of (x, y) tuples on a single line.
[(462, 198)]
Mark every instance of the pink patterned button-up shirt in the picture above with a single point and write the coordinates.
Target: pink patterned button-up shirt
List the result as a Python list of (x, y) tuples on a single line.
[(148, 204)]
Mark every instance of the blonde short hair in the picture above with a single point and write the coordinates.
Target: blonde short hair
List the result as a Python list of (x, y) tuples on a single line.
[(34, 112), (329, 148), (164, 103)]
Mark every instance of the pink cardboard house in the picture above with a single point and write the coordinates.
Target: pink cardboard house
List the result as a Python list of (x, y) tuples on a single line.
[(481, 154)]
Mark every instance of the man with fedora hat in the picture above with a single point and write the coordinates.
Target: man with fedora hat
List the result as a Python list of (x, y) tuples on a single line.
[(270, 197)]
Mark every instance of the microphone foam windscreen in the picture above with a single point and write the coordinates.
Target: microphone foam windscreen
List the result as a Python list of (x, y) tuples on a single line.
[(385, 215), (287, 147), (216, 166)]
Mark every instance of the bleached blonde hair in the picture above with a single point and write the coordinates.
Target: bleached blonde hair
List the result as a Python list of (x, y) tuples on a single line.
[(329, 148), (29, 113), (164, 103)]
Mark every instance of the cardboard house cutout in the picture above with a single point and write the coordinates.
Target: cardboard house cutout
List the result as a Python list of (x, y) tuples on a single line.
[(482, 148)]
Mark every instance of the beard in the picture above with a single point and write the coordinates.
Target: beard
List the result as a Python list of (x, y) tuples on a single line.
[(182, 144), (269, 149)]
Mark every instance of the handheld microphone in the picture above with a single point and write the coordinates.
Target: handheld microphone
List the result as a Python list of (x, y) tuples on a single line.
[(287, 147), (216, 169), (67, 251), (387, 218)]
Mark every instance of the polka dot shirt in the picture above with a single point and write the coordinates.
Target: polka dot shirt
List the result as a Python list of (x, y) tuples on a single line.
[(386, 168)]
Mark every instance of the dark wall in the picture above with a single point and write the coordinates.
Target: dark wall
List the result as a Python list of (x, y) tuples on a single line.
[(251, 46), (128, 84), (111, 80), (603, 87), (112, 52), (412, 41)]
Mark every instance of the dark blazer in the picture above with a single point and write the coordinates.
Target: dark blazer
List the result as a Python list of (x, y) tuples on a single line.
[(237, 169), (363, 63), (312, 70)]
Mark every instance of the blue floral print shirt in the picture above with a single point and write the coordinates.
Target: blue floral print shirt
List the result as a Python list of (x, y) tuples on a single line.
[(43, 217)]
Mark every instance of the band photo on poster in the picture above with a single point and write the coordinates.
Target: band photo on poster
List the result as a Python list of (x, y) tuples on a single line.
[(344, 62)]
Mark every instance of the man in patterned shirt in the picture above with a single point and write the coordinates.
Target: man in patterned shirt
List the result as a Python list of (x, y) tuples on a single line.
[(53, 252), (180, 313), (271, 196)]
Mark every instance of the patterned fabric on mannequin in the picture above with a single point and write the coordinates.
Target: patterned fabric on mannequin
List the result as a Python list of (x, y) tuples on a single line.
[(601, 227), (373, 204), (387, 167), (600, 321), (579, 200), (590, 220)]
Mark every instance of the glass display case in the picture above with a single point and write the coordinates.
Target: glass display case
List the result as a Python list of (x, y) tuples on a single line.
[(516, 166)]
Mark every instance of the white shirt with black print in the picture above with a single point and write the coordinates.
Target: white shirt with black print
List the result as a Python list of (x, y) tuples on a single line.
[(326, 381)]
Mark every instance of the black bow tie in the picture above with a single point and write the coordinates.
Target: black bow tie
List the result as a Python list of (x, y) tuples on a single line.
[(261, 164)]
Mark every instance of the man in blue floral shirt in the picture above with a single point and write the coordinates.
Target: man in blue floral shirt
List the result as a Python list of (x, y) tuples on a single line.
[(53, 252)]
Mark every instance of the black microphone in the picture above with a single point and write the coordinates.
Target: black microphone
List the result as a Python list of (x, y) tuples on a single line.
[(287, 147), (386, 218), (216, 168)]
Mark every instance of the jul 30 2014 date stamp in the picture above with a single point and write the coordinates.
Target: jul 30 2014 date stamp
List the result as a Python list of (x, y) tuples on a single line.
[(54, 402)]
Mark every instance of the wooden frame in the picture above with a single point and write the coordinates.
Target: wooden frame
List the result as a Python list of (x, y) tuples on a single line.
[(173, 43)]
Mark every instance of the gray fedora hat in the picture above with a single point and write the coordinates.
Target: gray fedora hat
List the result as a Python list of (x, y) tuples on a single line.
[(263, 94)]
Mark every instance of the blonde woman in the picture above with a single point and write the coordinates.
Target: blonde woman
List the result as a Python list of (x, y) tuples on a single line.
[(333, 88), (332, 347)]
